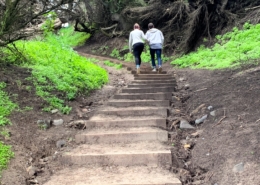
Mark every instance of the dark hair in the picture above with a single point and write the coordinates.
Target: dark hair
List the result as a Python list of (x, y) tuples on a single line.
[(150, 25)]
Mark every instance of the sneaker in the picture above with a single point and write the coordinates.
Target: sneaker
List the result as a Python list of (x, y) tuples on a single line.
[(138, 71), (154, 70), (160, 70)]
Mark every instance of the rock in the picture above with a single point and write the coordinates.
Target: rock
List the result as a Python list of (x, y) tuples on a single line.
[(186, 86), (197, 182), (196, 134), (31, 171), (54, 111), (183, 141), (33, 181), (213, 113), (185, 125), (60, 143), (57, 122), (210, 107), (42, 162), (238, 168), (201, 120), (85, 110), (175, 98), (121, 83), (44, 124)]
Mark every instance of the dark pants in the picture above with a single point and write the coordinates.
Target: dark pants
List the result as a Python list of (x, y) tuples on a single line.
[(158, 55), (138, 49)]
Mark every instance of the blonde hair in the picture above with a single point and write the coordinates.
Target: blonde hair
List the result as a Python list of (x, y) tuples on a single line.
[(136, 26)]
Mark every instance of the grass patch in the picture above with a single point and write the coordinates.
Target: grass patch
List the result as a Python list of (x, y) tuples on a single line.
[(111, 64), (6, 106), (231, 50), (58, 69), (5, 155)]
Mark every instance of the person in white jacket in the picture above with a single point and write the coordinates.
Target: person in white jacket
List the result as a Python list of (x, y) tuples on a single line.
[(136, 45), (155, 39)]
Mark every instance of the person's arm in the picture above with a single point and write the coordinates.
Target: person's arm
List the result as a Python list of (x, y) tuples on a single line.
[(130, 43), (147, 38), (162, 37), (143, 36)]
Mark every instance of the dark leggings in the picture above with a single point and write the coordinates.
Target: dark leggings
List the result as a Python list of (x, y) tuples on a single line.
[(138, 49), (158, 53)]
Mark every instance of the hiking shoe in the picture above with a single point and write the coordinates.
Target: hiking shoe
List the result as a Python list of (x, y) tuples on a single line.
[(138, 71), (154, 70), (160, 70)]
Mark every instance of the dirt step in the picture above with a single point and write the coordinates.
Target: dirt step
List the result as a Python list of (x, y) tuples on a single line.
[(114, 175), (135, 111), (122, 135), (144, 96), (134, 103), (103, 117), (123, 154), (152, 122), (158, 81), (149, 72), (153, 78), (148, 90), (152, 85)]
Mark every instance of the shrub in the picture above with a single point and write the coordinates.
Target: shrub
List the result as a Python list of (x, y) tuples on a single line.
[(232, 49), (58, 68)]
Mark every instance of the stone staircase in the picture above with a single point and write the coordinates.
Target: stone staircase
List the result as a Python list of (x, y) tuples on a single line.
[(125, 142)]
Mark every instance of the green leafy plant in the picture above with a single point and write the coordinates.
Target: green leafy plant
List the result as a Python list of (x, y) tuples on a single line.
[(115, 53), (5, 155), (6, 106), (48, 25), (103, 50), (19, 84), (129, 57), (232, 50), (118, 66), (5, 133), (93, 60), (111, 64), (125, 47), (43, 126), (28, 88), (28, 108), (56, 67)]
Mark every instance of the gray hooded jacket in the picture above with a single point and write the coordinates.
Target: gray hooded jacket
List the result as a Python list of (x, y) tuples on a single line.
[(155, 38)]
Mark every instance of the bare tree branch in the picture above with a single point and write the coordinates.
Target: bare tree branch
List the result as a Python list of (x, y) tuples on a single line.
[(17, 15)]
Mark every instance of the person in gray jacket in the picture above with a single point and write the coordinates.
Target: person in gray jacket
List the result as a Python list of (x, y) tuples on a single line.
[(155, 39)]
